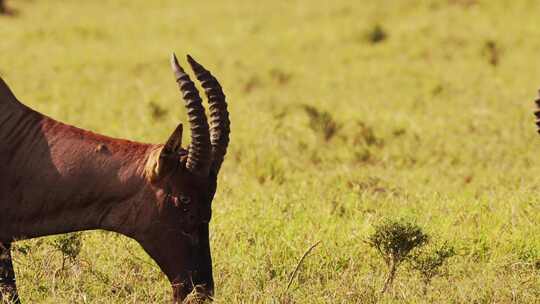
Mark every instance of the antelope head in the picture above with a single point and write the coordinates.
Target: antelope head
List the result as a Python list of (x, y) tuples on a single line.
[(181, 187)]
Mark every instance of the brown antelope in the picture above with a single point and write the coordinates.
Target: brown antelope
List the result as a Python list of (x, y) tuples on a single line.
[(537, 112), (56, 178)]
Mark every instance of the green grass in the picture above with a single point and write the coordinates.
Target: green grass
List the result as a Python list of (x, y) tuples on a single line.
[(433, 122)]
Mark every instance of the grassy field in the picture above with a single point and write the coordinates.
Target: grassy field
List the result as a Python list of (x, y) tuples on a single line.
[(343, 113)]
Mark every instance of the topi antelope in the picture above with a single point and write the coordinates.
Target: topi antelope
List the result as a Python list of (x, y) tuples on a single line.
[(537, 112), (56, 178)]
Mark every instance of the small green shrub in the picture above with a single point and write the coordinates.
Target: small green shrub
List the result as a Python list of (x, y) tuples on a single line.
[(69, 245), (394, 240), (428, 261), (376, 34)]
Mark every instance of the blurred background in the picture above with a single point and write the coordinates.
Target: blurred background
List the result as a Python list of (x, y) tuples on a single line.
[(344, 113)]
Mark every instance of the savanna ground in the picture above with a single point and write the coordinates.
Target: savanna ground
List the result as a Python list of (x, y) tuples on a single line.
[(344, 113)]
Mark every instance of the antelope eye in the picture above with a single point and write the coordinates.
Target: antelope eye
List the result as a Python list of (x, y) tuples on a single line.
[(184, 199)]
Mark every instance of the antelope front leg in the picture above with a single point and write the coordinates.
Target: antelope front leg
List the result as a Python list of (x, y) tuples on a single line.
[(8, 289)]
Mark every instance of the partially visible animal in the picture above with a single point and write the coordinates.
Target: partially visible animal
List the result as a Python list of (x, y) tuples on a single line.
[(56, 178), (537, 112)]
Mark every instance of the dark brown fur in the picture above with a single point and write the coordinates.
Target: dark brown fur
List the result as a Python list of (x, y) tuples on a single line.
[(537, 112), (56, 178)]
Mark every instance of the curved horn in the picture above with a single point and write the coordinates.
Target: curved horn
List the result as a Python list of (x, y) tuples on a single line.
[(198, 161), (219, 116), (537, 113)]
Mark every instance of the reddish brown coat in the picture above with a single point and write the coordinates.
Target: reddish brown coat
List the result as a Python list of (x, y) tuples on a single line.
[(57, 178)]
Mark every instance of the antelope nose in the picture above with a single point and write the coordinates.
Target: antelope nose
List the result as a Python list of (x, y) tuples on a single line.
[(203, 283)]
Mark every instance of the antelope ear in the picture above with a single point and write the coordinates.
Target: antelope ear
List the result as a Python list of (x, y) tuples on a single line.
[(174, 143), (169, 157)]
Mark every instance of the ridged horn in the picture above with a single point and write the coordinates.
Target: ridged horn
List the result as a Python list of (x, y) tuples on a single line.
[(537, 113), (219, 116), (199, 156)]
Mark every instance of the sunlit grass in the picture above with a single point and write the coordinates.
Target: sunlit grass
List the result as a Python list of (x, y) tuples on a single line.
[(433, 122)]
